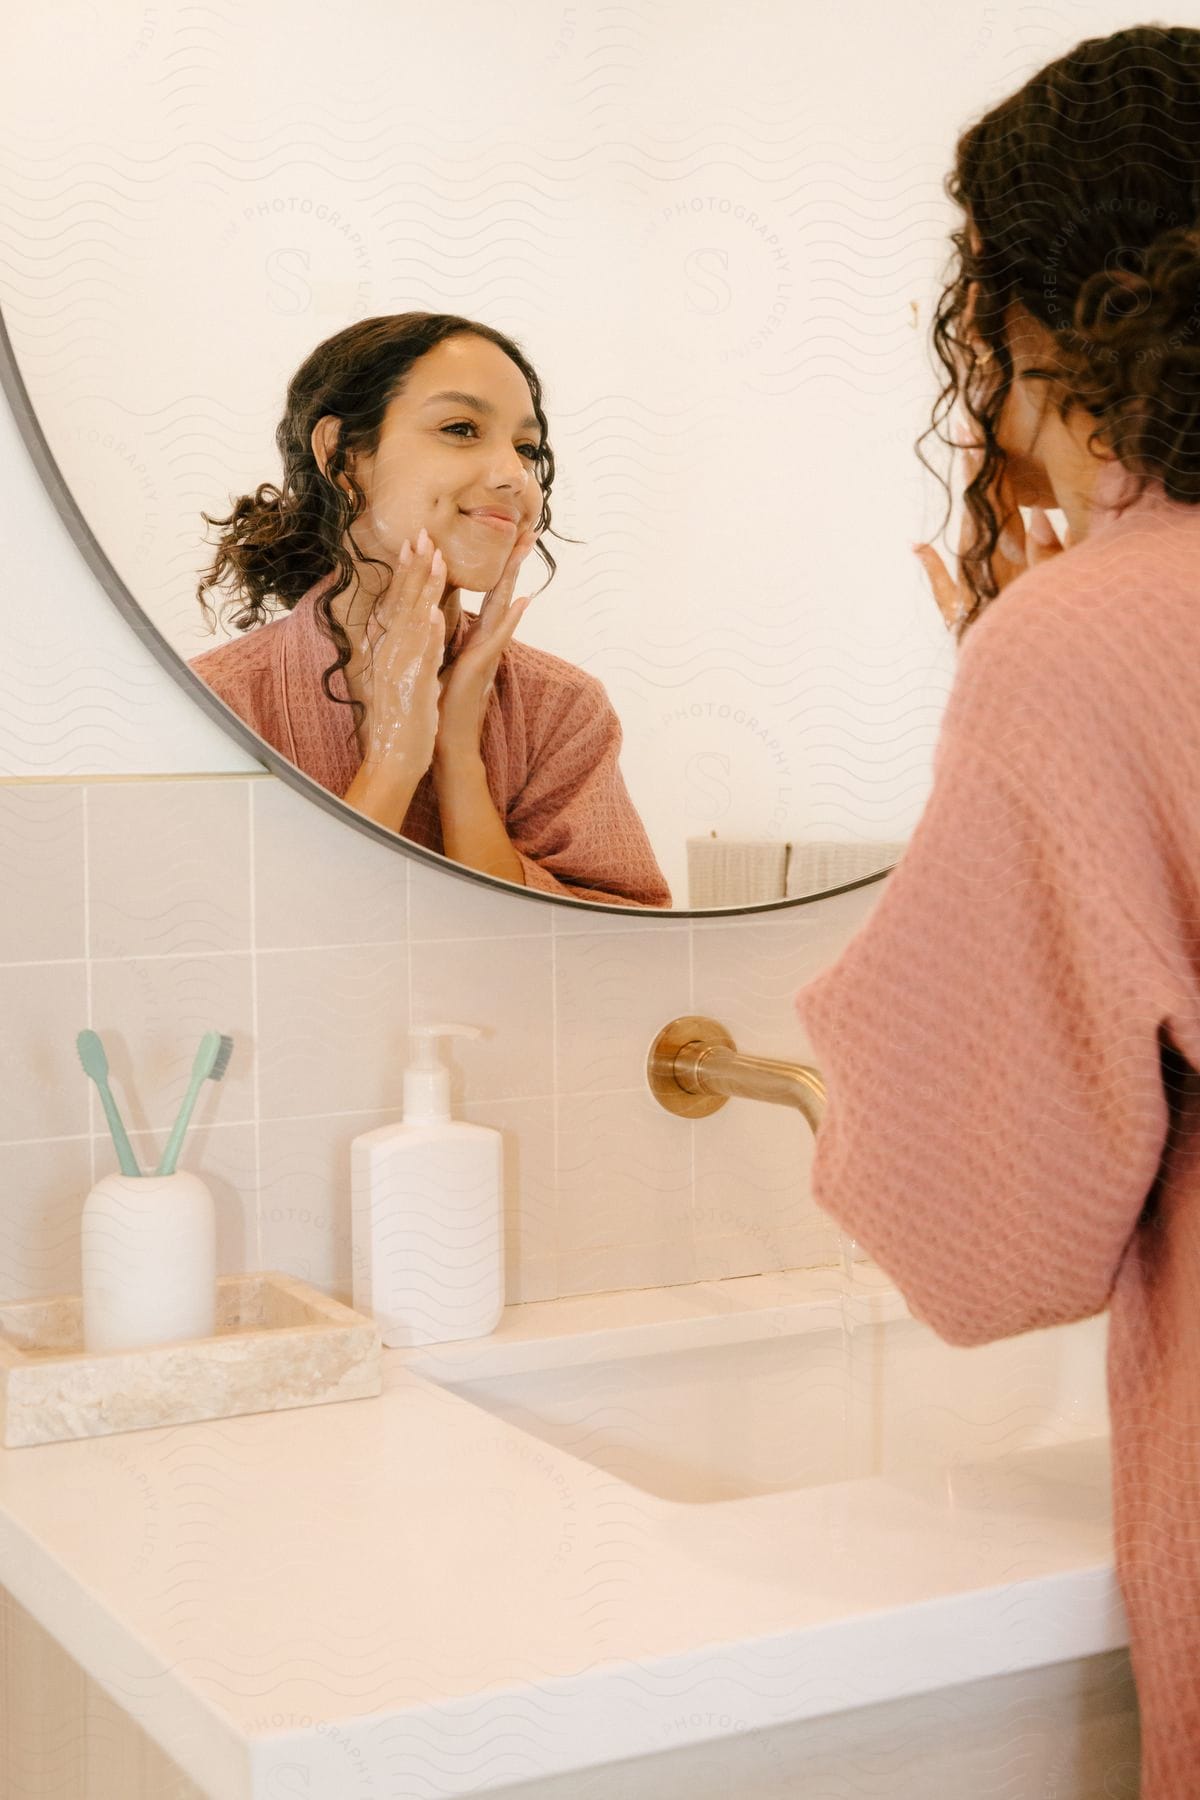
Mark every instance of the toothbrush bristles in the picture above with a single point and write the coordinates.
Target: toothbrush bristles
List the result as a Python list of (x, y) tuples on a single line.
[(91, 1054), (221, 1060)]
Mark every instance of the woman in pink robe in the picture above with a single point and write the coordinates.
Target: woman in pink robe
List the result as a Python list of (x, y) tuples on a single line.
[(1012, 1042), (416, 464)]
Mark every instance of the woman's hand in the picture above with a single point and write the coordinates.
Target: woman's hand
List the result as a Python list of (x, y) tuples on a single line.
[(473, 832), (402, 648), (467, 684), (1016, 550)]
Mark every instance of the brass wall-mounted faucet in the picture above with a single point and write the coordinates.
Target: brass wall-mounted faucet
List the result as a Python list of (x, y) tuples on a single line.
[(694, 1066)]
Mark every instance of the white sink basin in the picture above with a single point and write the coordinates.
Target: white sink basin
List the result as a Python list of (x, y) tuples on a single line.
[(802, 1407)]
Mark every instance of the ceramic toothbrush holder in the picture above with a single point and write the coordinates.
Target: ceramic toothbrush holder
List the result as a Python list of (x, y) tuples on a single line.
[(149, 1261)]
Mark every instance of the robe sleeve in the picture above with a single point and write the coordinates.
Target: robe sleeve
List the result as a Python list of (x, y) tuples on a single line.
[(990, 1039), (573, 824)]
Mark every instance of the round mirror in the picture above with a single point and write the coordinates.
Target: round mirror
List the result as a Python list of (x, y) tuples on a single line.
[(692, 259)]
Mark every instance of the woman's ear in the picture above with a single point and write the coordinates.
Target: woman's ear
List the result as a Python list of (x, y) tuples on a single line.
[(324, 441)]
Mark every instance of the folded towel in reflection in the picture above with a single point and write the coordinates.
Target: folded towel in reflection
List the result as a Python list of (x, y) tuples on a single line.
[(734, 871), (814, 868)]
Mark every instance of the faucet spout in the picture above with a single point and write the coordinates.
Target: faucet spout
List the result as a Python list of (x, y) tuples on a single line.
[(694, 1066)]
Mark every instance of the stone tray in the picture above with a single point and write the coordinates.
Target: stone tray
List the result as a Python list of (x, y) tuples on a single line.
[(278, 1343)]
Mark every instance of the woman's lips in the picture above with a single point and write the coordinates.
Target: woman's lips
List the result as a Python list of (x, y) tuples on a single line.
[(496, 521)]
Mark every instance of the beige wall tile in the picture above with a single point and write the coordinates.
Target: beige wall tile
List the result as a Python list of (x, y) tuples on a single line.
[(626, 1266), (810, 1242), (599, 1181), (41, 873), (305, 1213), (43, 1090), (44, 1187), (753, 1185), (318, 880), (333, 1026), (747, 975), (725, 1258), (505, 987), (152, 1015), (530, 1195), (445, 905), (533, 1278), (624, 1173), (615, 991), (168, 867), (586, 918)]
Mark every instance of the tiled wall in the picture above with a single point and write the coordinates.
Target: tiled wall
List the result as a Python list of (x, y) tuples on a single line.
[(154, 909)]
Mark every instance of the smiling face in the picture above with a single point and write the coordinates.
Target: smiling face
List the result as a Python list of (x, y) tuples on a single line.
[(458, 455)]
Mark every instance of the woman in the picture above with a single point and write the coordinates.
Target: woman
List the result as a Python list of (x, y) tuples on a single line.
[(1010, 1043), (416, 461)]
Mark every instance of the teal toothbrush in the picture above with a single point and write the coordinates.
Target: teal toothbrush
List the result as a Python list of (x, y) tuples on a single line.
[(95, 1063), (212, 1060)]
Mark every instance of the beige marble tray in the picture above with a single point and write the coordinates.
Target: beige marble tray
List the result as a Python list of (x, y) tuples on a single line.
[(278, 1343)]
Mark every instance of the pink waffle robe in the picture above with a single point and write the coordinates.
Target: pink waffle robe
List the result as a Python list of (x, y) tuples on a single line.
[(550, 744), (1013, 1128)]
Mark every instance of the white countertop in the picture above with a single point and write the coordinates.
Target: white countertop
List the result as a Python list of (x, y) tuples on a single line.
[(407, 1595)]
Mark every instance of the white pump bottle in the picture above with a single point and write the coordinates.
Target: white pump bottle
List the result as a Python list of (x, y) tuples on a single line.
[(427, 1212)]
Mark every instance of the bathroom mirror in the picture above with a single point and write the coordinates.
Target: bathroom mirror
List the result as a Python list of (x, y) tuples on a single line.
[(717, 236)]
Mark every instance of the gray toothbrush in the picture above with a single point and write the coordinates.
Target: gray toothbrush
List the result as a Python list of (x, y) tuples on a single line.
[(212, 1060), (95, 1063)]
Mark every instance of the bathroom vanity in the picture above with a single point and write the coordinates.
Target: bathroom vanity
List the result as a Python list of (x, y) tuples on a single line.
[(734, 1536)]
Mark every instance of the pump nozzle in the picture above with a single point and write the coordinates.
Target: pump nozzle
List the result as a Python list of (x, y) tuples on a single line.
[(427, 1079)]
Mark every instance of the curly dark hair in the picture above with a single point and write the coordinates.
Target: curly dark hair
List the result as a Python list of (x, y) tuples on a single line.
[(1084, 190), (281, 539)]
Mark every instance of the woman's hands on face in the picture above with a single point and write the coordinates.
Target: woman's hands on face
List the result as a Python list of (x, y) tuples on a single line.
[(415, 715), (402, 650), (1016, 550), (467, 684)]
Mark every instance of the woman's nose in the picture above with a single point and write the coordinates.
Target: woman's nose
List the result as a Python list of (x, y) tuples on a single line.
[(510, 469)]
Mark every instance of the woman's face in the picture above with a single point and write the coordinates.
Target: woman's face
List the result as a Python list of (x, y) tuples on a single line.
[(1027, 415), (1029, 430), (457, 455)]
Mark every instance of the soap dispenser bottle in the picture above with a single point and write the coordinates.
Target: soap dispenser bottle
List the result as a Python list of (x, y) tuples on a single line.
[(427, 1212)]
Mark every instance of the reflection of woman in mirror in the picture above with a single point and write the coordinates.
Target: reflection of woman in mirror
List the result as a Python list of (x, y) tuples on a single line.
[(1012, 1042), (417, 463)]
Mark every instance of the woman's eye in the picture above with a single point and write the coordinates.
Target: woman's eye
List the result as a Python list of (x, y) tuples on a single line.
[(532, 451)]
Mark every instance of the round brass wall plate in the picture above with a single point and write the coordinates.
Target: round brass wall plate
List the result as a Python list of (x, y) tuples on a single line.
[(672, 1058)]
